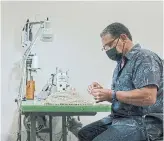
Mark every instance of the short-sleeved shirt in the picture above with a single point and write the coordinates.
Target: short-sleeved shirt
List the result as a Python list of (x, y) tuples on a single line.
[(142, 68)]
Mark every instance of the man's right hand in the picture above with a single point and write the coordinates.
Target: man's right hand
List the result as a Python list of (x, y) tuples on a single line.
[(94, 85)]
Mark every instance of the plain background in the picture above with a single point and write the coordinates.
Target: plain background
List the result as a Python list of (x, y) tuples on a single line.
[(76, 46)]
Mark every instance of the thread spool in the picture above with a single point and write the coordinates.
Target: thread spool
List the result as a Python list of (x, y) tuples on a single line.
[(47, 35), (47, 24), (35, 62), (30, 89)]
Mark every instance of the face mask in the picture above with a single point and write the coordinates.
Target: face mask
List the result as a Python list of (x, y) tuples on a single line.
[(113, 54)]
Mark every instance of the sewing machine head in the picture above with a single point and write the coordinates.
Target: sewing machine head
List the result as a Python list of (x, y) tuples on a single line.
[(62, 83)]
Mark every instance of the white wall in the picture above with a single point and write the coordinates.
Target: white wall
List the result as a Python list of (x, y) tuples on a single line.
[(77, 45)]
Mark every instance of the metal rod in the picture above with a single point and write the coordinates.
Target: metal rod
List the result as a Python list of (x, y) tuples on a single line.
[(64, 128), (50, 126), (33, 128), (34, 23)]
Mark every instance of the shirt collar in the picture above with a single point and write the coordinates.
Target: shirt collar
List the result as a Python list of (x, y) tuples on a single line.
[(133, 51)]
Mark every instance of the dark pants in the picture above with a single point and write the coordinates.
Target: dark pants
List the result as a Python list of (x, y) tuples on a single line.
[(114, 129)]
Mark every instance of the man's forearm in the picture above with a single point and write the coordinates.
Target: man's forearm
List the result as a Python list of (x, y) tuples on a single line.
[(137, 97)]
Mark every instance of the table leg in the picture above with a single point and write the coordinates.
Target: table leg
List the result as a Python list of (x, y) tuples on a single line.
[(28, 135), (64, 128), (50, 126), (33, 128)]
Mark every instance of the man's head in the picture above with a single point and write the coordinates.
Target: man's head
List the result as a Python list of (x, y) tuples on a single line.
[(116, 38)]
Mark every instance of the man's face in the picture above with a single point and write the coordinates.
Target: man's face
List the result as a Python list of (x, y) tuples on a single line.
[(109, 42)]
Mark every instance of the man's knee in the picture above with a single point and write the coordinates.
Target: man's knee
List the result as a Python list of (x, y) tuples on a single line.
[(81, 134), (90, 131), (84, 134)]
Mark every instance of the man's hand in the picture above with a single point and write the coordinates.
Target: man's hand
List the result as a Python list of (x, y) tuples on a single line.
[(102, 94), (94, 85)]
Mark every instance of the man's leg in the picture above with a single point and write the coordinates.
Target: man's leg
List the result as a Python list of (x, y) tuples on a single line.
[(123, 130), (154, 128), (74, 125), (89, 132)]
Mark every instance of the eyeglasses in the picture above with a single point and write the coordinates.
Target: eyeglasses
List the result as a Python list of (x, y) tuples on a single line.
[(110, 44)]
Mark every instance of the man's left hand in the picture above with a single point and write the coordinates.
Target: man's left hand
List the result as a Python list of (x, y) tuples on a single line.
[(102, 94)]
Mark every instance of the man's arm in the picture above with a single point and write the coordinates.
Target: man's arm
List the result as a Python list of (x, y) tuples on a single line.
[(139, 97), (146, 80)]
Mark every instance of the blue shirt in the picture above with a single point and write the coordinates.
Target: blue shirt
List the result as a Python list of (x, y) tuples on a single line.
[(142, 68)]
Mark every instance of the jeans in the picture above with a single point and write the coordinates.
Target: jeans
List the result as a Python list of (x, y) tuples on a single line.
[(115, 129)]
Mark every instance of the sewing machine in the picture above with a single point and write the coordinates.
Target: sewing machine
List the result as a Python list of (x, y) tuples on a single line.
[(62, 101)]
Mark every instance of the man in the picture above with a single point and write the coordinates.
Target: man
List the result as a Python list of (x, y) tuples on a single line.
[(137, 90)]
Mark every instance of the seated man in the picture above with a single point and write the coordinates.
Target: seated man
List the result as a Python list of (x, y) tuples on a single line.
[(137, 90)]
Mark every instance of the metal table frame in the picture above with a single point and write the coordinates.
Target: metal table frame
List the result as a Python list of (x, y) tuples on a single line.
[(33, 109), (32, 134)]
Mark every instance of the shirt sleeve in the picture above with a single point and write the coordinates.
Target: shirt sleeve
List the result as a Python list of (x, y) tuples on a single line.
[(146, 72)]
